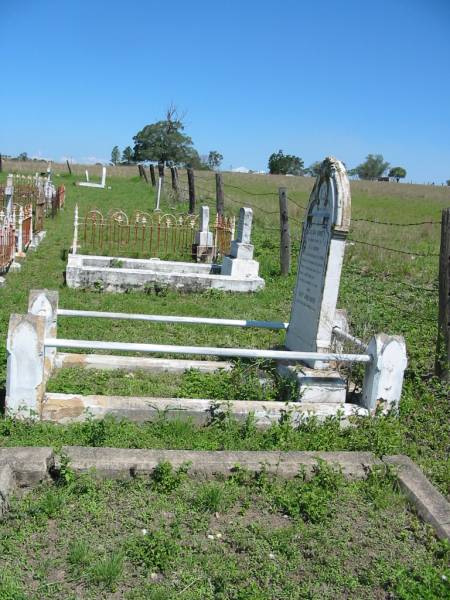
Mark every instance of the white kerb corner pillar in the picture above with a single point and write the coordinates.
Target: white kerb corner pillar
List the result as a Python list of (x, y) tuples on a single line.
[(383, 379), (44, 303), (25, 384), (103, 177)]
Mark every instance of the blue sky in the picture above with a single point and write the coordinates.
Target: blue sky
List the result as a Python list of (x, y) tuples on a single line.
[(312, 78)]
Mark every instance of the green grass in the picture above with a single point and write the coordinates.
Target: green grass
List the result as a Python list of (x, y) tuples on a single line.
[(249, 536), (382, 291)]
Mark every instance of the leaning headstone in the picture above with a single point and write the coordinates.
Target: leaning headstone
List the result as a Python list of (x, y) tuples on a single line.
[(203, 248), (313, 312), (320, 261)]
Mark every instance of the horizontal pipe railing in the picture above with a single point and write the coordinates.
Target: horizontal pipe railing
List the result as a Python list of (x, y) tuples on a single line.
[(287, 355), (338, 332), (173, 319)]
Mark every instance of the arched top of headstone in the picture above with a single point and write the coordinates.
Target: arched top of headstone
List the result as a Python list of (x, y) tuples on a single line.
[(331, 195)]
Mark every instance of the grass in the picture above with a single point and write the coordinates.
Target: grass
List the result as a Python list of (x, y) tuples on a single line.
[(248, 536), (382, 291)]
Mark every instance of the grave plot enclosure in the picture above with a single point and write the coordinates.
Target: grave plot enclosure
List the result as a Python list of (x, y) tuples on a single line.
[(134, 248)]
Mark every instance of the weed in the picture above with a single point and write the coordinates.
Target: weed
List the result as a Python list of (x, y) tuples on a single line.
[(166, 479), (50, 504), (115, 263), (154, 549), (107, 570), (79, 554), (210, 497), (10, 587)]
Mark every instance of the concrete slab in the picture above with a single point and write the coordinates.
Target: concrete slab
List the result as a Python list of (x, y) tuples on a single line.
[(125, 463), (429, 503), (67, 408), (137, 363)]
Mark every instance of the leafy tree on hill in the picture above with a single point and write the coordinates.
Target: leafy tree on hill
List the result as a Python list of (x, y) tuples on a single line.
[(373, 167), (128, 155), (22, 156), (285, 164), (115, 155), (398, 173), (314, 169), (214, 159), (164, 141)]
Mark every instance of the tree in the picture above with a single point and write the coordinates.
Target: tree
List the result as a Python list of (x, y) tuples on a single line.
[(448, 182), (314, 169), (22, 156), (397, 173), (115, 155), (285, 164), (128, 155), (164, 141), (373, 167), (214, 159)]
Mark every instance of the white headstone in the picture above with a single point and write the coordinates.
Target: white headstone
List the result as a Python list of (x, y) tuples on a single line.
[(204, 237), (241, 246), (244, 225), (320, 261)]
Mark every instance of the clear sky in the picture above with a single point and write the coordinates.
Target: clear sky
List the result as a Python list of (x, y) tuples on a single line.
[(312, 78)]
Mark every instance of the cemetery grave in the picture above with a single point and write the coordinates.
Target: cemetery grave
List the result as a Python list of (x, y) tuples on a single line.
[(24, 203), (308, 358), (379, 295), (159, 234), (243, 532)]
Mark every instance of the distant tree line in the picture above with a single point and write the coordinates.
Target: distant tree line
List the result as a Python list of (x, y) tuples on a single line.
[(374, 167), (165, 142)]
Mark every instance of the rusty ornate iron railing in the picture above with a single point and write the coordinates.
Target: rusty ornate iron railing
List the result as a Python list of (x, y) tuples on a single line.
[(223, 234), (143, 234), (7, 240)]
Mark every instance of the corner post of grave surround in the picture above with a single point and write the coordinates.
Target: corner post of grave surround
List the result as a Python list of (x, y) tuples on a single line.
[(9, 194), (103, 177), (75, 231), (383, 379), (25, 383), (240, 263), (20, 252), (44, 303), (203, 248)]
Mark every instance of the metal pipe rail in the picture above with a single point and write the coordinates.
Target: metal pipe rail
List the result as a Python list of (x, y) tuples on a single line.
[(338, 332), (62, 312), (287, 355)]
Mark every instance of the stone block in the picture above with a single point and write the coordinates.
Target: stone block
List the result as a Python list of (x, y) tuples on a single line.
[(239, 268), (126, 463), (241, 250), (316, 385), (30, 465)]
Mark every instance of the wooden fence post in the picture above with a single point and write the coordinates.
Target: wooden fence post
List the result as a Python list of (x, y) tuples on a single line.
[(285, 236), (140, 171), (220, 202), (144, 174), (161, 170), (1, 164), (191, 185), (174, 174), (68, 166), (443, 340), (152, 175)]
